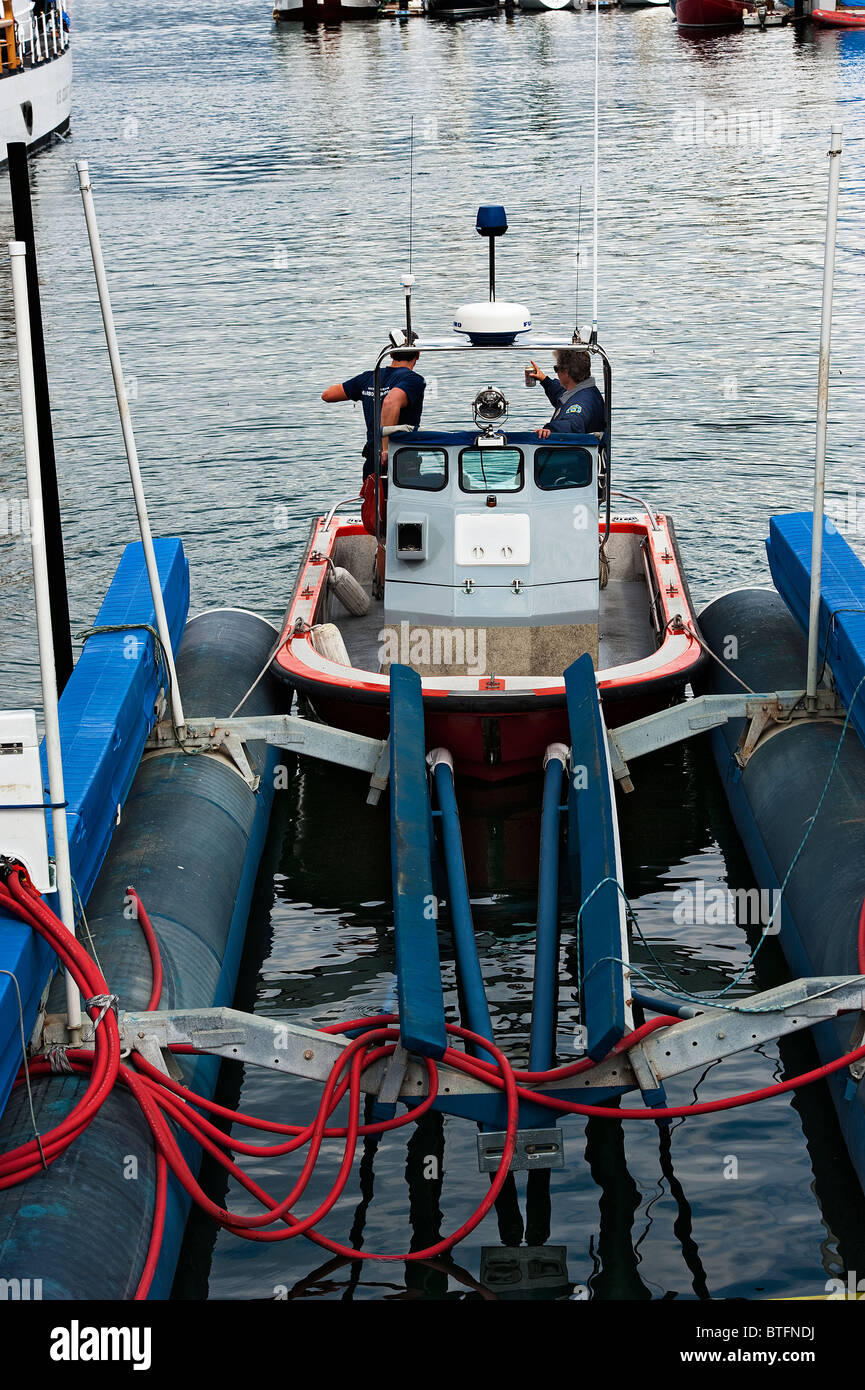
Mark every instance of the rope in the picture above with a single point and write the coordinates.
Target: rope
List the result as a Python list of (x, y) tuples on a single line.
[(714, 997), (103, 1002), (83, 918), (724, 667), (58, 1060), (830, 626), (163, 670), (274, 653), (26, 1068), (603, 566)]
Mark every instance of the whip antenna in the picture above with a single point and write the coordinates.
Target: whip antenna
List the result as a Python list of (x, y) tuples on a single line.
[(408, 280), (577, 292), (594, 336)]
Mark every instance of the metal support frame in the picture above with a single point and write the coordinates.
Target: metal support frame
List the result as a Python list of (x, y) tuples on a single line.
[(710, 1036), (288, 731), (706, 712)]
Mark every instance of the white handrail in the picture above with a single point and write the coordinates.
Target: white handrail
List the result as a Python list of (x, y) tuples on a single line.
[(129, 442), (822, 418)]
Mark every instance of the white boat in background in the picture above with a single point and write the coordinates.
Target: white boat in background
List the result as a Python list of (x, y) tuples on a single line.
[(545, 4), (35, 72), (325, 11)]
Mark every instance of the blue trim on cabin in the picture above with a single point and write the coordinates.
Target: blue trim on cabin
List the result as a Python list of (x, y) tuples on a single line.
[(106, 712), (463, 439)]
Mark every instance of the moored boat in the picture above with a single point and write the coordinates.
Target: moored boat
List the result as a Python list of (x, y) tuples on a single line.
[(461, 9), (498, 561), (844, 17), (545, 4), (35, 74), (711, 14), (319, 11)]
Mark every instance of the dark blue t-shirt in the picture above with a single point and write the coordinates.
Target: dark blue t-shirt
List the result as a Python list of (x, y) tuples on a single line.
[(362, 388)]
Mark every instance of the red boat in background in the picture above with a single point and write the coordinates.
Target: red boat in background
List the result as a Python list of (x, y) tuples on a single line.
[(841, 18), (711, 14)]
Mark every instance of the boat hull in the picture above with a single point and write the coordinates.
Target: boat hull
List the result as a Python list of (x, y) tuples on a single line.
[(839, 19), (439, 9), (710, 14), (324, 10), (35, 103), (495, 727)]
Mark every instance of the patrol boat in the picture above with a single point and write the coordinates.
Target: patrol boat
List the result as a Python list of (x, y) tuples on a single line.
[(495, 560)]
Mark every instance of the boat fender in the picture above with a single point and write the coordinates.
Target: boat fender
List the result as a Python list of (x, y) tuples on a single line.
[(327, 640), (350, 594)]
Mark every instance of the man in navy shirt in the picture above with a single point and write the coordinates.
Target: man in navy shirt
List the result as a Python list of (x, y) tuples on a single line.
[(579, 405), (402, 391)]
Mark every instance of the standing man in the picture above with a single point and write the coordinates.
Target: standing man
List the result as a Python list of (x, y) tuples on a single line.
[(579, 405), (402, 391)]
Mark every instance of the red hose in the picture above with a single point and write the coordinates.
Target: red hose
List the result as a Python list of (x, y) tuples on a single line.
[(152, 946), (163, 1101)]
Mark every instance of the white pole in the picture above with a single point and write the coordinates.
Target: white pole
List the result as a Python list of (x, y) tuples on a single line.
[(595, 250), (17, 253), (822, 417), (129, 441)]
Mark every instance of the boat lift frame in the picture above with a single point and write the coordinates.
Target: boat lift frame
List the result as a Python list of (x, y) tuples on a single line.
[(701, 1036), (326, 743), (711, 1035)]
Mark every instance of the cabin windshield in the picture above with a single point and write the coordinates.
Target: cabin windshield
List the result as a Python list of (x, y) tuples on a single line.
[(560, 467), (424, 469), (492, 469)]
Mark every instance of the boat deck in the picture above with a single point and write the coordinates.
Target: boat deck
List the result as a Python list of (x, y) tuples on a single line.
[(625, 632)]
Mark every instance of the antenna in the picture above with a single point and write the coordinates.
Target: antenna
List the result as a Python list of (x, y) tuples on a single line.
[(408, 280), (577, 292), (594, 334)]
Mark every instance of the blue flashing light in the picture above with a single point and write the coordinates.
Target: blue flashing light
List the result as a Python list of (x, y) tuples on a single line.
[(492, 220)]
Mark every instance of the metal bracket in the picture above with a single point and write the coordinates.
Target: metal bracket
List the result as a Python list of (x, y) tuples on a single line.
[(535, 1148), (288, 731), (647, 1078), (157, 1056), (207, 736), (857, 1037), (778, 709), (692, 717), (391, 1082)]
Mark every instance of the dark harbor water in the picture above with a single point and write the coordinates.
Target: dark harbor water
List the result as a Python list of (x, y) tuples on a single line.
[(252, 190)]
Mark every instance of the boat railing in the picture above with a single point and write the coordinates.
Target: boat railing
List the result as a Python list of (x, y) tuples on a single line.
[(347, 501), (632, 497), (27, 43)]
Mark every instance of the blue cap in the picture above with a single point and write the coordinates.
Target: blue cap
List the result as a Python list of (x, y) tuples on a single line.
[(492, 220)]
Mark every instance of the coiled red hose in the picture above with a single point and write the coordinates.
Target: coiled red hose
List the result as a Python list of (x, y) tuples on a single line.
[(164, 1102)]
